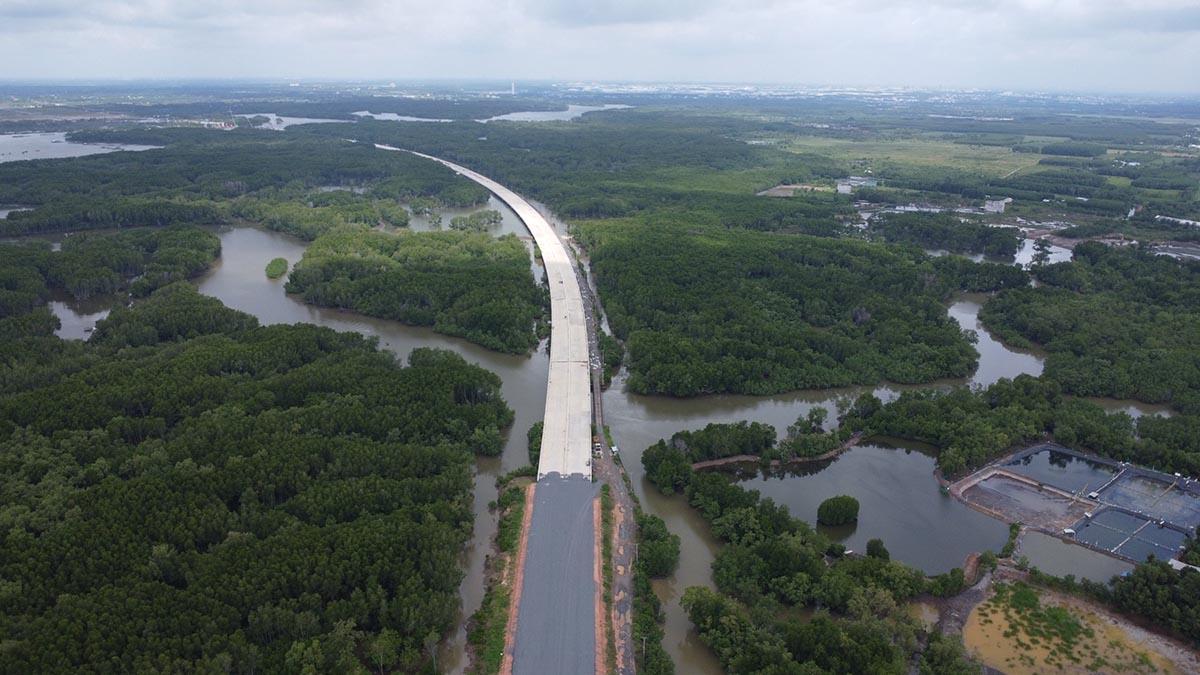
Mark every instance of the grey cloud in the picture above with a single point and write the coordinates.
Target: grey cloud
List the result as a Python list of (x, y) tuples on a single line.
[(614, 12), (1155, 20), (1111, 44)]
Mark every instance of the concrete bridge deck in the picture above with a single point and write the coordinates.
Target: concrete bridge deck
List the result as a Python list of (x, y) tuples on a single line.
[(567, 424), (556, 618)]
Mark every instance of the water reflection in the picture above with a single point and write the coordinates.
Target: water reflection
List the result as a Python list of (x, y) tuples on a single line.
[(570, 113), (77, 318), (239, 281), (393, 117), (54, 145), (1055, 556), (900, 503), (1064, 470), (996, 360), (640, 421), (1028, 249), (907, 511), (1023, 257), (1134, 409)]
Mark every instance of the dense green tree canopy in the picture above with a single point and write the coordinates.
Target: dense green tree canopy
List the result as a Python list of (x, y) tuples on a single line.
[(1163, 595), (1118, 323), (971, 428), (480, 221), (705, 310), (658, 549), (839, 510), (716, 440), (96, 265), (461, 283), (945, 231), (215, 177), (629, 164), (189, 491)]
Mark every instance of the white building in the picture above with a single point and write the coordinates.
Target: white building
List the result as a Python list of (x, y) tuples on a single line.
[(996, 205)]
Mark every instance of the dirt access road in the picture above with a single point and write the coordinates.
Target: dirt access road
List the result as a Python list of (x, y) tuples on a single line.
[(607, 470)]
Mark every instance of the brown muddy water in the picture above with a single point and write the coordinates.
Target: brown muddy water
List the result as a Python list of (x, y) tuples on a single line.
[(901, 504), (901, 501), (238, 280)]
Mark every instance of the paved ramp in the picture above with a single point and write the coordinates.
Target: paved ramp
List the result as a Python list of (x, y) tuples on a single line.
[(567, 425)]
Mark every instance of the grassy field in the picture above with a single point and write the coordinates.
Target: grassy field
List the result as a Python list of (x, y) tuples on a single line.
[(916, 151), (741, 181)]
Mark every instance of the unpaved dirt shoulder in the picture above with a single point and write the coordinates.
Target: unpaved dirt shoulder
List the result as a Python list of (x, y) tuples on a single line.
[(516, 579)]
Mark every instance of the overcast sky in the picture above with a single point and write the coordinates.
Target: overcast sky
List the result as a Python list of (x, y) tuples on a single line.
[(1071, 45)]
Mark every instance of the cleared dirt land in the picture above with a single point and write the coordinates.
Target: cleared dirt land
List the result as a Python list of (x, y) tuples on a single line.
[(1019, 630)]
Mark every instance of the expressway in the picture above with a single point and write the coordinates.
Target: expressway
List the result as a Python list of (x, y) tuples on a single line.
[(557, 603), (567, 431)]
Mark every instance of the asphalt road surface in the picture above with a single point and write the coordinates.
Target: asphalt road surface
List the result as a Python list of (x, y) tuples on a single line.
[(556, 624)]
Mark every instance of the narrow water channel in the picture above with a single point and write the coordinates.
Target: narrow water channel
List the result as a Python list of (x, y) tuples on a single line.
[(996, 359), (896, 485), (238, 280), (889, 479), (77, 318), (901, 501)]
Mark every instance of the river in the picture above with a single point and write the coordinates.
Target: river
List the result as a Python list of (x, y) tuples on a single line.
[(900, 497), (572, 112), (280, 122), (1023, 256), (54, 145), (77, 318), (896, 486), (238, 280), (10, 209)]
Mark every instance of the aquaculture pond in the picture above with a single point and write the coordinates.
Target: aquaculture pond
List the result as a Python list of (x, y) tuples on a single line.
[(1055, 556), (1064, 470)]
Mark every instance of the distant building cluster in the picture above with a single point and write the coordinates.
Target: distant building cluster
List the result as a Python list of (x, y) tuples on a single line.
[(847, 185)]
